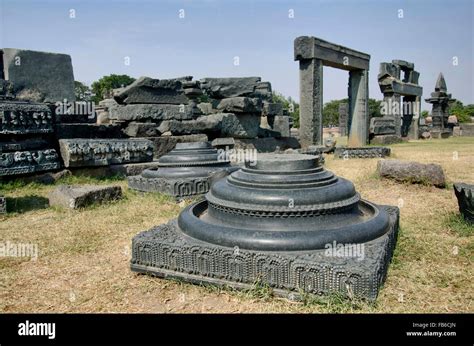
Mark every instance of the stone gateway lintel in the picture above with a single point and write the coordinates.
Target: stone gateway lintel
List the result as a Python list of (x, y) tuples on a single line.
[(330, 54)]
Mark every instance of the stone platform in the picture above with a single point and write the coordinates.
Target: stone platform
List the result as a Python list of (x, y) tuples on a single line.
[(362, 152), (167, 253)]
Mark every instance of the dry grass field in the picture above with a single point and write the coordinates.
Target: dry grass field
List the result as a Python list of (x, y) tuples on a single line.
[(83, 260)]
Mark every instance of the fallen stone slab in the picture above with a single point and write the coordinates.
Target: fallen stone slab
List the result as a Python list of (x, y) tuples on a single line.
[(39, 76), (385, 139), (240, 105), (30, 161), (263, 90), (136, 129), (219, 88), (81, 196), (217, 125), (412, 172), (465, 195), (151, 112), (3, 205), (149, 90), (223, 143), (81, 152), (165, 144), (69, 131), (270, 108), (361, 153)]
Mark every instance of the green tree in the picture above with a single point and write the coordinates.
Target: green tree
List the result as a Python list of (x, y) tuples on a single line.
[(374, 108), (291, 105), (331, 112), (463, 113), (82, 91), (107, 83)]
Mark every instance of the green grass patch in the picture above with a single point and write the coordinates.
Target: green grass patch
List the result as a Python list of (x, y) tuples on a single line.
[(456, 223)]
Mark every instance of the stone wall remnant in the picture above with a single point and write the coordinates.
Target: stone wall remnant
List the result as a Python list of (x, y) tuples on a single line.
[(401, 101), (38, 76)]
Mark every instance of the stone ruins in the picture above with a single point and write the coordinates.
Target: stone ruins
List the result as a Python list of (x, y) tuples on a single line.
[(313, 54), (399, 115), (281, 219), (286, 222), (440, 100)]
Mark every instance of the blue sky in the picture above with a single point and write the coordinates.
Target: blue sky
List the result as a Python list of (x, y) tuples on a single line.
[(204, 43)]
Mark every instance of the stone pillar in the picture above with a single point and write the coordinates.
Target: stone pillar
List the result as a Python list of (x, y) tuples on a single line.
[(311, 102), (358, 108), (343, 110), (393, 105), (415, 122), (409, 102)]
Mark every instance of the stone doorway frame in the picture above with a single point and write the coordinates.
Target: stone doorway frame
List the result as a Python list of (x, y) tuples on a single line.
[(313, 54)]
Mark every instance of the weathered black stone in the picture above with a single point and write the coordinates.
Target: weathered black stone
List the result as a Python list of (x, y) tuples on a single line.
[(465, 196), (23, 162), (27, 144), (69, 131), (17, 117), (185, 171), (273, 221)]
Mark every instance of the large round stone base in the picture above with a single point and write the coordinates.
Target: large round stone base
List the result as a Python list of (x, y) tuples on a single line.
[(356, 270)]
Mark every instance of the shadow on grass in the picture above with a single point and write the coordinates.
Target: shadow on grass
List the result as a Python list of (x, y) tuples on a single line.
[(26, 203)]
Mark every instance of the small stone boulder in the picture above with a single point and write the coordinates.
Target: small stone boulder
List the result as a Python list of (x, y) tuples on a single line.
[(81, 196), (413, 172), (465, 196)]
